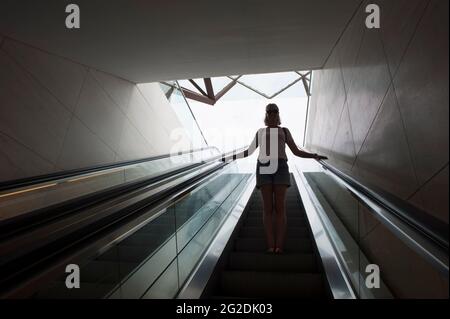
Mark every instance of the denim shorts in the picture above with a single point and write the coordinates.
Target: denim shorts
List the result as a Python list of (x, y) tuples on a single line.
[(280, 177)]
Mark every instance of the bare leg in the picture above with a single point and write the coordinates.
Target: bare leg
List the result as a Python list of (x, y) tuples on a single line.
[(267, 195), (280, 208)]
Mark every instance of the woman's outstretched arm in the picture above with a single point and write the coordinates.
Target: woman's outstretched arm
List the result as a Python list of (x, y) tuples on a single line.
[(249, 151), (297, 151)]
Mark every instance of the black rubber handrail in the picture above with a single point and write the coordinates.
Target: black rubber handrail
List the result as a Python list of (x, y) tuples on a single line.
[(434, 229), (24, 222), (23, 182)]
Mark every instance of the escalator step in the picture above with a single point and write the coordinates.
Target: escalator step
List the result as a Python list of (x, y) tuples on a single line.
[(258, 231), (289, 210), (270, 262), (289, 206), (258, 221), (296, 211), (303, 245), (253, 284), (259, 215), (253, 273)]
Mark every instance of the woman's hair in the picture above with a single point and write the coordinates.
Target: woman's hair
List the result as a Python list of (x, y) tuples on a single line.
[(272, 117)]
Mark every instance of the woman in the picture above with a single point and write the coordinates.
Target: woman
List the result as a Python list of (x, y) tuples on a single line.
[(272, 174)]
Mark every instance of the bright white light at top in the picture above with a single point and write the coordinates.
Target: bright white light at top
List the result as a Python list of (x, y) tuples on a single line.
[(234, 119)]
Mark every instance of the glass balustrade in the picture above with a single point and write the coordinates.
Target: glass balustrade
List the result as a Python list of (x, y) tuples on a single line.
[(14, 202), (155, 260)]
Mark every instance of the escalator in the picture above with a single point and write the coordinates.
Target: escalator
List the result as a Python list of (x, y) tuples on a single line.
[(150, 244), (338, 230), (108, 220), (251, 272), (192, 228)]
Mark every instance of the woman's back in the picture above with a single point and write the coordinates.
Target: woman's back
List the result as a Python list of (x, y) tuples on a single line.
[(272, 143)]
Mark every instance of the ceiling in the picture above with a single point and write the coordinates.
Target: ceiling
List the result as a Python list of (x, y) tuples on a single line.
[(147, 41)]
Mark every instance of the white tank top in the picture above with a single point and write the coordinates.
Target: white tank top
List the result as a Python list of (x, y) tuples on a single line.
[(271, 143)]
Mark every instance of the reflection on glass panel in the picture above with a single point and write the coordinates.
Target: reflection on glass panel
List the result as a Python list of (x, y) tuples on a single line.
[(154, 260), (342, 214), (344, 226), (201, 237), (183, 111), (195, 210), (135, 285), (165, 88), (167, 285), (339, 198), (98, 279), (133, 264), (343, 211), (22, 200)]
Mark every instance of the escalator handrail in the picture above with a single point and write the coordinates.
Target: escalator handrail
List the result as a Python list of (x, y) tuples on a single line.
[(42, 215), (176, 191), (28, 181), (425, 234), (183, 188), (435, 229), (29, 220)]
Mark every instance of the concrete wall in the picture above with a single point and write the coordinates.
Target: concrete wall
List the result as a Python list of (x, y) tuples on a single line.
[(380, 111), (56, 114), (380, 106)]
